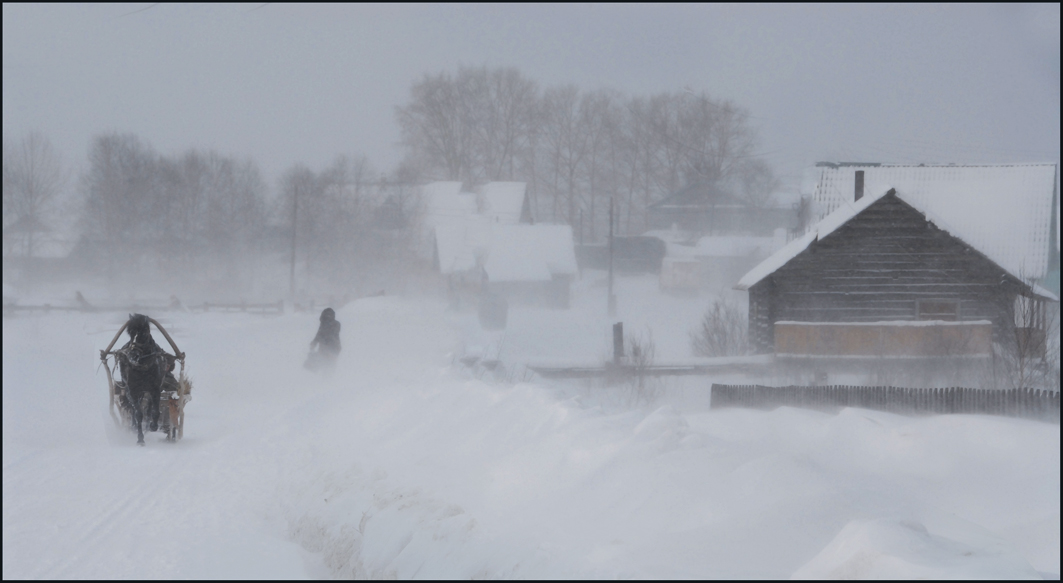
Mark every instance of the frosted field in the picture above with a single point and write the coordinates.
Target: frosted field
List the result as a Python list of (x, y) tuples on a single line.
[(405, 464)]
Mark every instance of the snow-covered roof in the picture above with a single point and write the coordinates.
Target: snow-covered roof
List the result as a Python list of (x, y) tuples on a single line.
[(828, 225), (458, 243), (506, 252), (1003, 211), (502, 202), (845, 211), (530, 253), (499, 202), (445, 203)]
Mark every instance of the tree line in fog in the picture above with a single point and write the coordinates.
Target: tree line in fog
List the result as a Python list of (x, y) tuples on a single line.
[(578, 150), (205, 213)]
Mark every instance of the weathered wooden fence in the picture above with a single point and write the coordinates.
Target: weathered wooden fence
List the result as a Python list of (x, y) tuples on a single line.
[(1028, 403)]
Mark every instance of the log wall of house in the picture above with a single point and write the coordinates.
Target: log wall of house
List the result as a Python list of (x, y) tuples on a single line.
[(879, 267)]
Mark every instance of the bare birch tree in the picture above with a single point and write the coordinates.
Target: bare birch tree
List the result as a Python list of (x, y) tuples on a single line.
[(33, 180)]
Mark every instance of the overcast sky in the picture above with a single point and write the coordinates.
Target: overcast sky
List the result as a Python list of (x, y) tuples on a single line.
[(286, 84)]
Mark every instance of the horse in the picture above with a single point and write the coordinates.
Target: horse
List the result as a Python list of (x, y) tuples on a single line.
[(144, 366)]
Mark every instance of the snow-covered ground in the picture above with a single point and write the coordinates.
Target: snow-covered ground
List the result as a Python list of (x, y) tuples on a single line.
[(405, 463)]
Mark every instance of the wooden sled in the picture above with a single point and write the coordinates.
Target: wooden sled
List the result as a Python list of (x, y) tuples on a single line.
[(176, 391)]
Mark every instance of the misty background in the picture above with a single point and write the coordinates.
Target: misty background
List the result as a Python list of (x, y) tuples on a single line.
[(183, 134)]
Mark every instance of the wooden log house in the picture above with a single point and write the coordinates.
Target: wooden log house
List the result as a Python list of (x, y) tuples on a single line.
[(880, 276)]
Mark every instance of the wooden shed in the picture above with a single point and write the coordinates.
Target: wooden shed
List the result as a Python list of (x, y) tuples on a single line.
[(881, 277)]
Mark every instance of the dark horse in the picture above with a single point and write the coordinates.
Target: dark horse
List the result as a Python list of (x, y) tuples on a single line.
[(144, 367)]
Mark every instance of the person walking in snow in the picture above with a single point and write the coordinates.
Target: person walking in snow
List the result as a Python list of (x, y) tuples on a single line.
[(326, 343)]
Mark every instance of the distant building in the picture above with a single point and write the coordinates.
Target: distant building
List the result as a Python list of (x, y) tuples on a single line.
[(714, 262), (713, 237), (910, 262), (32, 250), (484, 241), (706, 210)]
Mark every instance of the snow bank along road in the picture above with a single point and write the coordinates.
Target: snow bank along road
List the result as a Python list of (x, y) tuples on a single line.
[(401, 465)]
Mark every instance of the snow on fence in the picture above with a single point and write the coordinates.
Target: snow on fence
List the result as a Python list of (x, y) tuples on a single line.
[(267, 308), (80, 304), (254, 308), (1028, 403)]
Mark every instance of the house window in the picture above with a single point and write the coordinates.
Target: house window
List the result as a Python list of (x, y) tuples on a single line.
[(938, 310)]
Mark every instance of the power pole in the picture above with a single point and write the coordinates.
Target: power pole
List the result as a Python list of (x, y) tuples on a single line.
[(295, 214), (612, 298)]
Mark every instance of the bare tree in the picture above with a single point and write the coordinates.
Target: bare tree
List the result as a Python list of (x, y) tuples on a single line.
[(642, 352), (1028, 356), (564, 147), (598, 118), (350, 231), (477, 125), (723, 331), (120, 190), (756, 182), (507, 127), (33, 179), (189, 219), (574, 148)]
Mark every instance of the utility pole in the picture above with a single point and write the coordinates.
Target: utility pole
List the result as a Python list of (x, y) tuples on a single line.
[(582, 251), (612, 298), (295, 214)]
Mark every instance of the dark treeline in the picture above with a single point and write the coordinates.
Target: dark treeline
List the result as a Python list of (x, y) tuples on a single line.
[(154, 215), (208, 221), (205, 224), (578, 149)]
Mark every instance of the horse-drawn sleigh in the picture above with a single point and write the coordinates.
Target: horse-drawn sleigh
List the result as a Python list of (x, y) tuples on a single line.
[(148, 391)]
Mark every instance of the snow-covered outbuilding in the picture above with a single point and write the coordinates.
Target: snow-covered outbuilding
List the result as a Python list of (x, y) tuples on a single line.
[(484, 239), (527, 264), (942, 262)]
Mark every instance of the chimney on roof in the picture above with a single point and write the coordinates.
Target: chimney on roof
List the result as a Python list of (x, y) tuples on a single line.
[(859, 192)]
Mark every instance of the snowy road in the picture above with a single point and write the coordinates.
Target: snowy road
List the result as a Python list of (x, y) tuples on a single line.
[(400, 465)]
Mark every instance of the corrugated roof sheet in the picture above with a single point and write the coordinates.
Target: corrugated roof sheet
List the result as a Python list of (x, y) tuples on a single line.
[(1004, 211)]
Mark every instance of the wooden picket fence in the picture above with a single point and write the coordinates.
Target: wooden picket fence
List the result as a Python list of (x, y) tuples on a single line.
[(1028, 403)]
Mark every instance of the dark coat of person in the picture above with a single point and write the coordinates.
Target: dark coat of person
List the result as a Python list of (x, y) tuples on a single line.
[(328, 333), (326, 343)]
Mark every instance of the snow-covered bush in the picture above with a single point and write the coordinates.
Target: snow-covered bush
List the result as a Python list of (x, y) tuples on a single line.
[(723, 331)]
